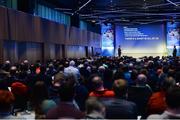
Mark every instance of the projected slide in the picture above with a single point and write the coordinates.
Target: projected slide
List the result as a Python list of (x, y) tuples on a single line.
[(107, 40), (136, 33), (141, 39)]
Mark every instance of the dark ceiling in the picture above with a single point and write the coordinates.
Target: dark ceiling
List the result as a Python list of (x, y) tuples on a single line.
[(121, 11)]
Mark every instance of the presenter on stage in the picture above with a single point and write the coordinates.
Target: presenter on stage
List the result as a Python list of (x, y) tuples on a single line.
[(174, 51), (119, 51)]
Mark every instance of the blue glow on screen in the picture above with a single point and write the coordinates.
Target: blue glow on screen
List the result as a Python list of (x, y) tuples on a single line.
[(107, 40), (148, 38), (173, 37)]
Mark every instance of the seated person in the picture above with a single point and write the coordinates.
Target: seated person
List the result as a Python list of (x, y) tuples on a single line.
[(6, 101), (20, 92), (119, 107), (140, 93), (173, 106), (156, 103), (54, 88), (98, 88), (66, 107), (40, 100), (94, 109)]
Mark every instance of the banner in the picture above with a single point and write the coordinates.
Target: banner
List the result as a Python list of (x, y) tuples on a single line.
[(107, 40), (173, 37)]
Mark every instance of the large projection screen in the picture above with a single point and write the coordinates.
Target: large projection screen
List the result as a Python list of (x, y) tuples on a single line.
[(141, 40)]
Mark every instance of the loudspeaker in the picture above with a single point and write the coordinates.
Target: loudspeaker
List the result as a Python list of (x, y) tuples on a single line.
[(75, 20)]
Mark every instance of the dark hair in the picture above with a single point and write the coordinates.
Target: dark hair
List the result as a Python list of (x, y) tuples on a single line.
[(39, 93), (67, 92), (120, 87), (93, 104), (119, 74), (167, 83), (96, 82), (6, 100), (173, 97), (43, 69), (134, 75), (59, 77)]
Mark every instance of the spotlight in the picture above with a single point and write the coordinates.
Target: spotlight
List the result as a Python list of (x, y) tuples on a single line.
[(93, 21)]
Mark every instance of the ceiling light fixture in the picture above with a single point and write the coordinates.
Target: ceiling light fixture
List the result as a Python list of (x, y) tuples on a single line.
[(172, 3), (84, 5)]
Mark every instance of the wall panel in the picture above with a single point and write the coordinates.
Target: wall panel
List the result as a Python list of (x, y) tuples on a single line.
[(75, 51), (3, 24), (35, 34), (10, 51), (34, 52), (30, 51), (58, 51)]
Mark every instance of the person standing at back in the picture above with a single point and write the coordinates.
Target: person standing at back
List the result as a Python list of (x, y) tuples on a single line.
[(174, 51), (119, 51)]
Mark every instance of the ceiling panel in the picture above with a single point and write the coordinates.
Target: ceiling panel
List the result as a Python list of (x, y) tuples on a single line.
[(122, 10)]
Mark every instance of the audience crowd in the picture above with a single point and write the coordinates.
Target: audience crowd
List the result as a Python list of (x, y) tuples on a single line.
[(91, 88)]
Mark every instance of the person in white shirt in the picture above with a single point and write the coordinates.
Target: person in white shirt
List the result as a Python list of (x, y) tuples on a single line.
[(72, 70)]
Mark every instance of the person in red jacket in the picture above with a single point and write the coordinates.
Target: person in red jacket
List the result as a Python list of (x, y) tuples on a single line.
[(98, 88), (156, 103)]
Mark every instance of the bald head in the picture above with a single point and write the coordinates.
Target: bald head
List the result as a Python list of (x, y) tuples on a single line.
[(97, 82), (141, 79)]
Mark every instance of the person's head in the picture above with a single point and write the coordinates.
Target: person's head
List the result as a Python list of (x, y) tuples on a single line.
[(173, 98), (97, 82), (39, 93), (51, 66), (93, 104), (67, 92), (20, 92), (167, 83), (32, 68), (120, 88), (42, 69), (119, 46), (7, 65), (159, 72), (61, 67), (141, 79), (101, 69), (6, 101), (72, 63), (174, 46), (134, 74), (13, 70), (70, 79), (19, 89), (26, 62), (144, 71), (58, 79)]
